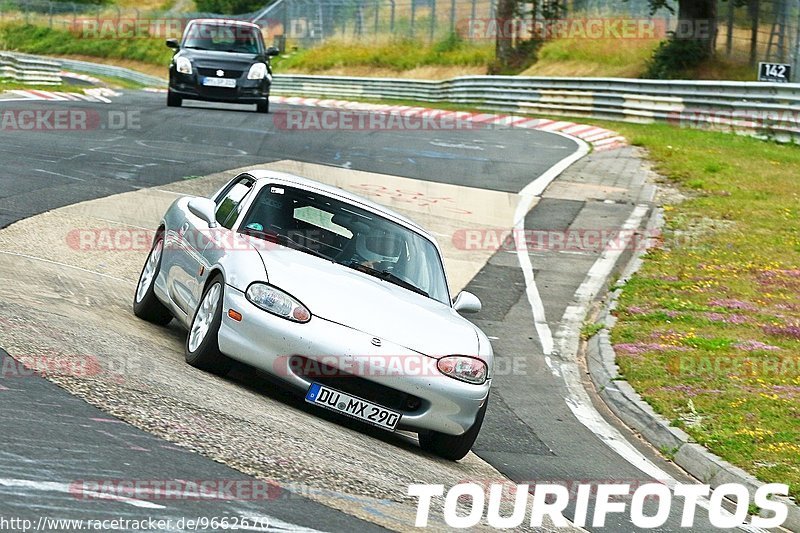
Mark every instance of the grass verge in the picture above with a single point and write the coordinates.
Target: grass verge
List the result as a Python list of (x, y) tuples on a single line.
[(391, 54), (11, 85), (709, 328), (48, 41)]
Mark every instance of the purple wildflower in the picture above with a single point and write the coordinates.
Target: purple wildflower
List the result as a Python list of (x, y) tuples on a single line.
[(787, 330), (751, 346), (638, 348), (726, 319)]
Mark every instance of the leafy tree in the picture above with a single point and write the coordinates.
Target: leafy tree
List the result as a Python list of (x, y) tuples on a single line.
[(513, 53), (693, 41)]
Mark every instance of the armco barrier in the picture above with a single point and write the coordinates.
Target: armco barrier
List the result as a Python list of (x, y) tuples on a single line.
[(115, 72), (29, 69), (770, 109), (766, 109), (33, 67)]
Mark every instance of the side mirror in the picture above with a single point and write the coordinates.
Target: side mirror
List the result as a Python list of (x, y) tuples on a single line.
[(466, 302), (205, 209), (273, 51), (173, 43)]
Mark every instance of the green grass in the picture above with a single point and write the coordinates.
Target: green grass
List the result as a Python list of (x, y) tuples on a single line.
[(42, 40), (9, 85), (120, 83), (393, 54), (593, 57), (590, 329), (726, 273)]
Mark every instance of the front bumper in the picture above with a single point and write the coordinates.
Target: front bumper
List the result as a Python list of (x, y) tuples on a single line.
[(188, 87), (273, 344)]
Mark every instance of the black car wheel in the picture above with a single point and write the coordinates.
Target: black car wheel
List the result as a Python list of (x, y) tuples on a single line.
[(173, 100), (263, 107)]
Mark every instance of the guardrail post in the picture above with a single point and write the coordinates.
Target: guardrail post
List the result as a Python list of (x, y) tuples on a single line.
[(729, 36), (377, 12), (433, 20), (413, 16), (452, 16), (755, 12)]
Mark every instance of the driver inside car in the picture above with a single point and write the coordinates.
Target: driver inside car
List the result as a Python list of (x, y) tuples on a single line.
[(374, 247)]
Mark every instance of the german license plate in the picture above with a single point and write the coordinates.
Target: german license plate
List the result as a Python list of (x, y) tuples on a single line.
[(352, 406), (230, 83)]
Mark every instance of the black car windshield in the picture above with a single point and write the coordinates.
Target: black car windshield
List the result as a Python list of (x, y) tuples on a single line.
[(349, 235), (222, 38)]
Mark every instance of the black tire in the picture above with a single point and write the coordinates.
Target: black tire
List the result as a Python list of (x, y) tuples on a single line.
[(149, 307), (173, 100), (207, 356), (263, 107), (453, 447)]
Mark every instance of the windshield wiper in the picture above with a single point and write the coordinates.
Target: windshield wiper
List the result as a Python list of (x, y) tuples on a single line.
[(198, 48), (386, 276)]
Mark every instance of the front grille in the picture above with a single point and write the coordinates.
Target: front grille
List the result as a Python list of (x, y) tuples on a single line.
[(217, 92), (212, 72), (355, 385)]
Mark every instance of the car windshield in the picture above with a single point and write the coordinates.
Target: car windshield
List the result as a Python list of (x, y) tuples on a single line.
[(222, 38), (348, 235)]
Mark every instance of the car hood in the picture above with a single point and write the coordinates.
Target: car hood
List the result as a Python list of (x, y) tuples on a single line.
[(373, 306), (222, 60)]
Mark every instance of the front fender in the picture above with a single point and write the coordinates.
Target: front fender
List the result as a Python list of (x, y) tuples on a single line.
[(239, 262)]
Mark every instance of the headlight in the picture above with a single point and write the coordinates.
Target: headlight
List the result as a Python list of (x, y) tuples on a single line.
[(183, 65), (277, 302), (257, 72), (463, 368)]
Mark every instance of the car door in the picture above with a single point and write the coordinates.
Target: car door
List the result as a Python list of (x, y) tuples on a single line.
[(219, 241)]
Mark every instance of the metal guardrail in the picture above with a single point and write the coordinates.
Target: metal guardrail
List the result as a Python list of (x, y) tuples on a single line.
[(766, 109), (771, 109), (45, 71), (28, 69), (99, 69)]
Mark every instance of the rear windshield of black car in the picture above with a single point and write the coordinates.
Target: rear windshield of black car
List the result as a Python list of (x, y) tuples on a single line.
[(223, 38)]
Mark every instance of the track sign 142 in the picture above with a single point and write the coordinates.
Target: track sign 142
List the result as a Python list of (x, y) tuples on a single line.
[(778, 72)]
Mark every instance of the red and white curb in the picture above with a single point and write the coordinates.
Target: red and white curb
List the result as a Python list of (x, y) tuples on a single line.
[(599, 138), (100, 94)]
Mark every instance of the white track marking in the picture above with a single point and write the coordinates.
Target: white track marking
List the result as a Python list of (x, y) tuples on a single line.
[(527, 196), (73, 490), (578, 399), (65, 265)]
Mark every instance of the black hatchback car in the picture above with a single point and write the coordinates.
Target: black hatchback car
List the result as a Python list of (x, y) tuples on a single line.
[(220, 60)]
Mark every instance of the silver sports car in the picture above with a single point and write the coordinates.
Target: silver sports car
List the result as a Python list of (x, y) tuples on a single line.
[(335, 295)]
